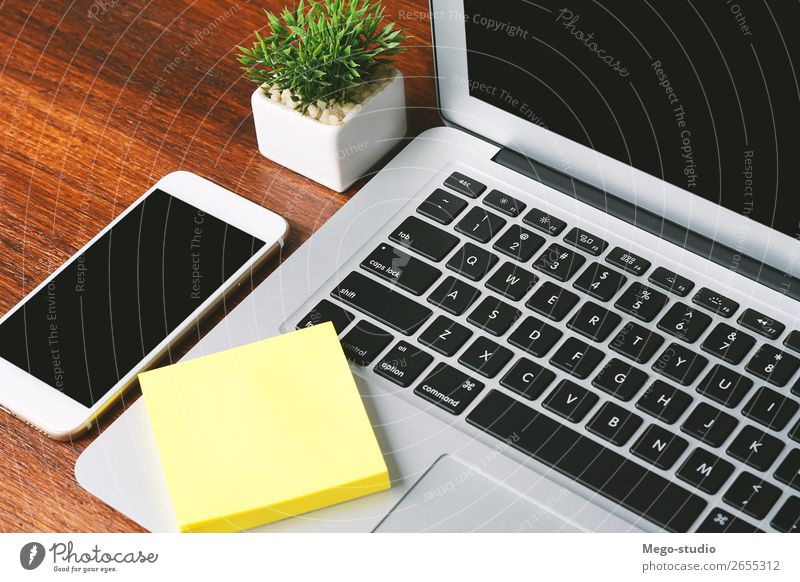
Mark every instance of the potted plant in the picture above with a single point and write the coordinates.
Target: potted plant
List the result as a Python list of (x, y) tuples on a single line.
[(329, 104)]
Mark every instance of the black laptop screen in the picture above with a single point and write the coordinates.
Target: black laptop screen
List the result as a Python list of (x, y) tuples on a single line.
[(703, 94)]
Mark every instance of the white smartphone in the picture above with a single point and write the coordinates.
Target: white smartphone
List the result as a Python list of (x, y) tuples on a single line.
[(78, 340)]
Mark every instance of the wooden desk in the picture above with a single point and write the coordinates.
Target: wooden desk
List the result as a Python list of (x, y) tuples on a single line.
[(91, 115)]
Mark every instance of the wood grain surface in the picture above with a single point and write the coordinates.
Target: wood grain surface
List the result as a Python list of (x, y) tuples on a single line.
[(95, 108)]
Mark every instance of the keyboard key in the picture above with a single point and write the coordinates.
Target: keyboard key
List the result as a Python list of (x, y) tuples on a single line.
[(709, 425), (570, 401), (445, 336), (449, 388), (787, 520), (684, 322), (728, 343), (637, 343), (535, 337), (600, 282), (401, 269), (627, 261), (720, 521), (664, 402), (788, 471), (364, 342), (705, 471), (761, 324), (454, 296), (494, 316), (585, 241), (680, 364), (771, 409), (752, 495), (485, 357), (559, 262), (594, 322), (756, 448), (480, 224), (552, 301), (403, 364), (725, 386), (715, 302), (528, 379), (327, 311), (773, 365), (512, 281), (659, 447), (506, 204), (792, 341), (518, 243), (671, 282), (577, 358), (381, 302), (614, 424), (464, 185), (794, 434), (442, 206), (547, 223), (620, 379), (423, 238), (586, 461), (472, 261), (641, 301)]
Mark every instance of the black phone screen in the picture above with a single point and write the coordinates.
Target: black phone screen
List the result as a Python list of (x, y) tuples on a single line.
[(114, 303)]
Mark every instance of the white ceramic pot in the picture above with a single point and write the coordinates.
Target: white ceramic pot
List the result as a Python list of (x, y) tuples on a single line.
[(333, 155)]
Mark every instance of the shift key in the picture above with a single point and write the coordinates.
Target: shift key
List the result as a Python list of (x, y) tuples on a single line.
[(383, 303)]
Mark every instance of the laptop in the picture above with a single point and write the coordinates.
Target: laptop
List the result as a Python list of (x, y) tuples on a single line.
[(575, 306)]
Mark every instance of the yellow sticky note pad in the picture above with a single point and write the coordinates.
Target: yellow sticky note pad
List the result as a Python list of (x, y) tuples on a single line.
[(262, 432)]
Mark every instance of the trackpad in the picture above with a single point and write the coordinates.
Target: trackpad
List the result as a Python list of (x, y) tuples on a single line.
[(455, 497)]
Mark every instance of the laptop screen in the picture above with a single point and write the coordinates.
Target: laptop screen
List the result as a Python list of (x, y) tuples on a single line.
[(702, 94)]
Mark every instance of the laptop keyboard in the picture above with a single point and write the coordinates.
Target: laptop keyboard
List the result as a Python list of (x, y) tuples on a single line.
[(643, 362)]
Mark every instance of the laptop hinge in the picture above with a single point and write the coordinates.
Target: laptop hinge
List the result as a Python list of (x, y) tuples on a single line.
[(692, 241)]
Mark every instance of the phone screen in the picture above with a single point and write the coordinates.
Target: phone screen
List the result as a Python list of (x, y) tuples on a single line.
[(102, 314)]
